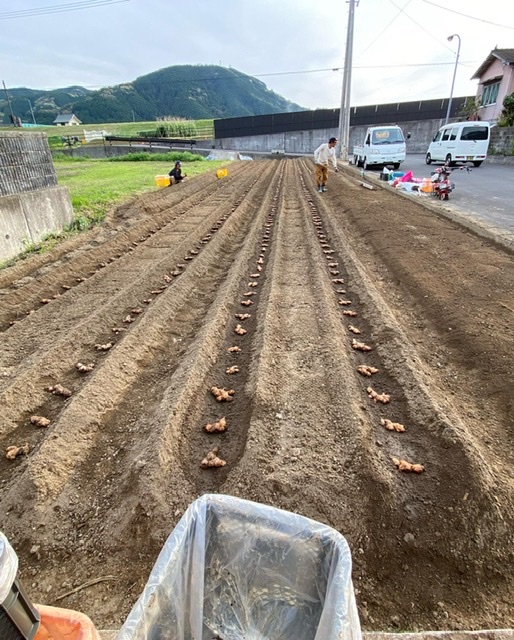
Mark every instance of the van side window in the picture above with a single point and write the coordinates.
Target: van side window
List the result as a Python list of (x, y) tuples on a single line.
[(475, 133), (446, 135), (453, 134)]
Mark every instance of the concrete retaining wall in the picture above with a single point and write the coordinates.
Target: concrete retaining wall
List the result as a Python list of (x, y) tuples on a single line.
[(26, 218), (31, 204)]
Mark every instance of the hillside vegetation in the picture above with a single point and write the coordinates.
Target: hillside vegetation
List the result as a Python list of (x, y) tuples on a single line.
[(187, 91)]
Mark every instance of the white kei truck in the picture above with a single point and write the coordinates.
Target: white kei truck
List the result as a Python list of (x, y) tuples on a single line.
[(383, 145)]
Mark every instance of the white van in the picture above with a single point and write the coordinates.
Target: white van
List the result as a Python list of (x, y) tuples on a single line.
[(460, 142)]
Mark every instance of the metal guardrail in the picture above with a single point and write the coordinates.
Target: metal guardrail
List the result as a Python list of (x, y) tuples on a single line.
[(149, 141)]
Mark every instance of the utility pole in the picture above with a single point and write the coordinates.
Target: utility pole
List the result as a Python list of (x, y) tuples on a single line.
[(32, 112), (344, 114), (13, 119)]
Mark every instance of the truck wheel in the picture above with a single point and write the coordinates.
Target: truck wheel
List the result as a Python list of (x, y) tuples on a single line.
[(428, 159), (477, 163), (396, 166)]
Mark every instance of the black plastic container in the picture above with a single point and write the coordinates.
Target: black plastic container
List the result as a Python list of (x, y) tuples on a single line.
[(19, 619)]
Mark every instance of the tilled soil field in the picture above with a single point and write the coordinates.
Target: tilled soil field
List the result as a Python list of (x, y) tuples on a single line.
[(150, 303)]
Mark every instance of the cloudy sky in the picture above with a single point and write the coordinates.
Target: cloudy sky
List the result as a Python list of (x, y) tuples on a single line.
[(296, 47)]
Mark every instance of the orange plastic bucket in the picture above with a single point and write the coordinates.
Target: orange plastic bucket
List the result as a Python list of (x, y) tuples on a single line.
[(64, 624)]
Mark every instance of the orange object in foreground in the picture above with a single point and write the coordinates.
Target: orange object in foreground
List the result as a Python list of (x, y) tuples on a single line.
[(64, 624)]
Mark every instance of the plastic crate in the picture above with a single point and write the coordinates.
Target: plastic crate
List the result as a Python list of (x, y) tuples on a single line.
[(162, 181), (19, 619), (64, 624)]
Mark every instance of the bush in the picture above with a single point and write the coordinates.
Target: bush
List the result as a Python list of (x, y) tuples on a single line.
[(171, 156)]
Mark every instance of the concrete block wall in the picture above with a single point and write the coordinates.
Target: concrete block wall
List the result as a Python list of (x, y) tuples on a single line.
[(31, 204), (25, 163), (502, 141)]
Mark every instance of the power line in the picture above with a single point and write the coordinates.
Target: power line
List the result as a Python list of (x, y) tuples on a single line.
[(384, 29), (59, 8), (422, 27), (465, 15)]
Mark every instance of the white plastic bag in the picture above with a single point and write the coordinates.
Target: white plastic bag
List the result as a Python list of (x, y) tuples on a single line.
[(8, 567), (233, 570)]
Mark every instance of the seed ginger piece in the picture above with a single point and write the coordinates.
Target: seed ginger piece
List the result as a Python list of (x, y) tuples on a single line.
[(232, 369), (216, 427), (249, 293), (212, 460), (255, 275), (85, 368), (246, 303), (344, 302), (350, 313), (103, 347), (384, 398), (338, 280), (39, 421), (403, 465), (222, 394), (353, 329), (128, 319), (239, 330), (392, 426), (13, 451), (59, 390), (234, 349), (253, 284), (366, 370), (360, 346), (243, 316)]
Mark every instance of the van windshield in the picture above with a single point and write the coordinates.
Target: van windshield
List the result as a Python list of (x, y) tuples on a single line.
[(387, 136), (475, 133)]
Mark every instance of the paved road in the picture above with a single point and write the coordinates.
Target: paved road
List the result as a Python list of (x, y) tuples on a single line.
[(486, 193)]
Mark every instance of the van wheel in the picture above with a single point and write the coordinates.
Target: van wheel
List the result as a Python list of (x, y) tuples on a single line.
[(428, 159), (448, 161), (356, 161), (365, 164), (396, 166), (477, 163)]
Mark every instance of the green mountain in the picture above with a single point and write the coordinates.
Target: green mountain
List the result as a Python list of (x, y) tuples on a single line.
[(187, 91)]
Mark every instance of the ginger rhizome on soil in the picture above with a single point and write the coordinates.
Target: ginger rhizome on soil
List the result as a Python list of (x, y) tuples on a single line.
[(59, 390), (349, 312), (366, 370), (231, 370), (360, 346), (239, 330), (234, 349), (103, 347), (383, 398), (84, 368), (403, 465), (39, 421), (216, 427), (13, 451), (212, 460), (392, 426), (222, 394), (243, 316), (353, 329)]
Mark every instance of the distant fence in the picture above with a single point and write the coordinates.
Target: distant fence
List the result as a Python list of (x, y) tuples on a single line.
[(329, 118), (160, 142)]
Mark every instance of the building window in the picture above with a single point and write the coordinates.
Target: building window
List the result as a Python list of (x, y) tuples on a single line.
[(489, 94)]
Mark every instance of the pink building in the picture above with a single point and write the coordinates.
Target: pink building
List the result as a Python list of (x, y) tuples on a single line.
[(495, 81)]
